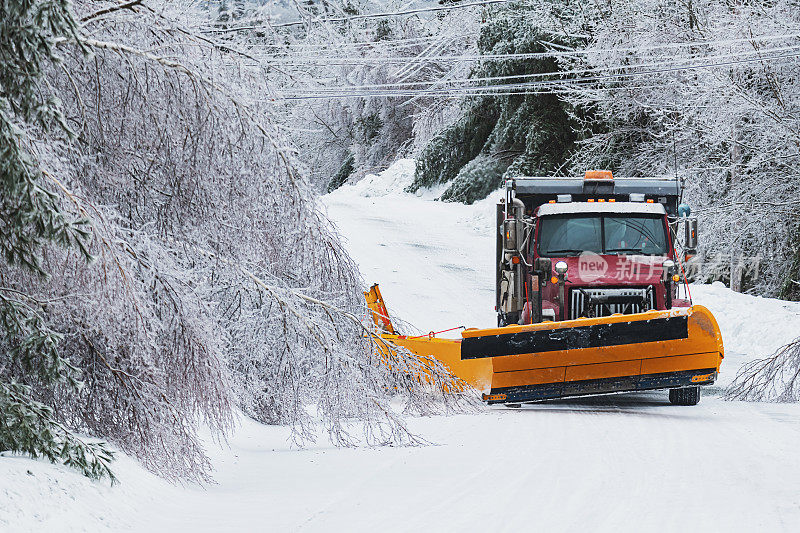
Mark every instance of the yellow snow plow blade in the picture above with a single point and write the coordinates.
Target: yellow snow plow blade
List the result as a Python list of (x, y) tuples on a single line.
[(680, 347), (476, 372)]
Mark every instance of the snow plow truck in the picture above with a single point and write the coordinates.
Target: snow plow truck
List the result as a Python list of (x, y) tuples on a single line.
[(591, 296)]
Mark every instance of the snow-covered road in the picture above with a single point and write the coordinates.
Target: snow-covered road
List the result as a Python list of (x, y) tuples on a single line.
[(609, 463), (622, 463), (618, 463), (432, 259)]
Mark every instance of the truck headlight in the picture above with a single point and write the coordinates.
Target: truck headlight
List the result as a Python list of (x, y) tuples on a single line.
[(561, 267), (668, 267)]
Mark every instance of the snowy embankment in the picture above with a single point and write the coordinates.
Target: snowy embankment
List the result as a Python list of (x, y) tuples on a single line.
[(619, 463)]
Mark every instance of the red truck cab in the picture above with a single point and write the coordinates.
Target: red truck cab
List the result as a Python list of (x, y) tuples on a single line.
[(591, 247)]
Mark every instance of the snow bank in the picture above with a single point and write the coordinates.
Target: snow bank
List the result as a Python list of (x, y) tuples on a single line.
[(752, 327), (392, 181), (38, 496)]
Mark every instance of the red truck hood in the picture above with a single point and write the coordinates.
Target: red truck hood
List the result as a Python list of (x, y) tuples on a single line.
[(610, 270)]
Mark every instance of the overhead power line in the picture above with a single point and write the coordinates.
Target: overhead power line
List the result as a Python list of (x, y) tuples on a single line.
[(578, 72), (364, 16), (347, 45), (348, 60), (545, 86)]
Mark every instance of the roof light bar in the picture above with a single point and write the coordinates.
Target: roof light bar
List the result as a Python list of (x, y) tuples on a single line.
[(605, 175)]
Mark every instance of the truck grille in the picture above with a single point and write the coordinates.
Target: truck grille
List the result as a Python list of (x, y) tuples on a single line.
[(595, 302)]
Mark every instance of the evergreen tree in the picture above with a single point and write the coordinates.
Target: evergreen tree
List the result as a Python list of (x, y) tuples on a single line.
[(519, 134), (31, 218), (344, 172)]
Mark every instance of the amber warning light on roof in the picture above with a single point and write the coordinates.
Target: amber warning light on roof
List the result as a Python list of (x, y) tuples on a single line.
[(598, 175)]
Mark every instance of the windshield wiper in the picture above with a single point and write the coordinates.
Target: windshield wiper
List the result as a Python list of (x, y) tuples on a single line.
[(564, 251), (631, 250)]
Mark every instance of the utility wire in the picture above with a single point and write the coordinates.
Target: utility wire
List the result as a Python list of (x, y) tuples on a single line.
[(516, 88), (581, 72), (452, 94), (342, 60), (362, 16), (388, 43)]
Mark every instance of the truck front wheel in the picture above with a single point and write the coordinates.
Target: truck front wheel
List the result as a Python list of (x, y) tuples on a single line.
[(684, 396)]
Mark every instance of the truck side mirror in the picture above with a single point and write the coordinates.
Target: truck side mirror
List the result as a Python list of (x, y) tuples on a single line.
[(690, 239), (510, 234)]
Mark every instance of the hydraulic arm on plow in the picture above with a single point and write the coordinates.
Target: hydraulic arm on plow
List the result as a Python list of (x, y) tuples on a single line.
[(587, 296)]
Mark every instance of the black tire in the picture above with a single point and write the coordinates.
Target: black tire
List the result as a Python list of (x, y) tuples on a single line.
[(684, 396), (673, 396)]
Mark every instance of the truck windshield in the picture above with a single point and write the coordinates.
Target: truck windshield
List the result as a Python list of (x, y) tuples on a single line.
[(563, 235)]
